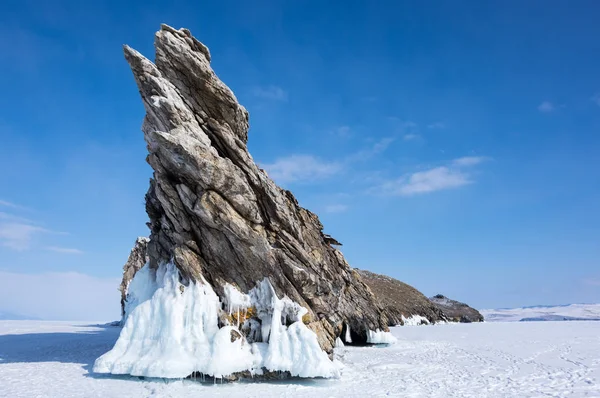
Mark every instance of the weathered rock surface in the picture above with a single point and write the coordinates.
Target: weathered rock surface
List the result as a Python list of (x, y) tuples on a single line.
[(220, 218), (400, 300), (136, 260), (456, 311)]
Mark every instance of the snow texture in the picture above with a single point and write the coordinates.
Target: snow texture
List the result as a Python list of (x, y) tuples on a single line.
[(171, 331), (490, 359), (572, 312)]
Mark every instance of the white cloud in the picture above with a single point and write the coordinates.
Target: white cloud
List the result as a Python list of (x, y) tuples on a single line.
[(5, 203), (65, 250), (336, 208), (454, 175), (403, 124), (273, 93), (60, 296), (18, 236), (371, 151), (437, 179), (410, 137), (12, 217), (309, 168), (546, 107), (301, 168), (596, 98), (19, 233), (436, 125), (469, 160)]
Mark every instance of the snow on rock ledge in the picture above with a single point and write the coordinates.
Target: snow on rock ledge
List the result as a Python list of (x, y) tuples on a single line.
[(171, 330)]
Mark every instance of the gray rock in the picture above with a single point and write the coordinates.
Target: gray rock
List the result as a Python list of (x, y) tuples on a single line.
[(136, 260), (216, 215), (399, 299), (456, 311)]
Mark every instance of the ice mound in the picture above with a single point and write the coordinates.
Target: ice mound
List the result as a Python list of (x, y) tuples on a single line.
[(171, 331)]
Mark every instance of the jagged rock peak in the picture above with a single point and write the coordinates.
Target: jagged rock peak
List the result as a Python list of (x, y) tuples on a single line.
[(216, 215)]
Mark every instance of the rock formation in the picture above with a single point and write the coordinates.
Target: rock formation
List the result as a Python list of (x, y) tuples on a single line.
[(137, 259), (456, 311), (401, 301), (223, 223)]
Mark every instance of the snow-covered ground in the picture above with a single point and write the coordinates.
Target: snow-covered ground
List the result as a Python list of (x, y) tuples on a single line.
[(524, 359), (544, 313)]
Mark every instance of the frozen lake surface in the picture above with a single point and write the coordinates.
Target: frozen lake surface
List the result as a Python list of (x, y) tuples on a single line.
[(523, 359)]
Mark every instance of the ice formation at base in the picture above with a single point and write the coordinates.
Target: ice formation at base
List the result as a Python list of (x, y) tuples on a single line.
[(415, 320), (171, 331), (380, 337)]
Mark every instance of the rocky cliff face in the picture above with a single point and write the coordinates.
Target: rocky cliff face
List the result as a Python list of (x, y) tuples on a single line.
[(216, 215), (138, 257), (456, 311), (401, 301)]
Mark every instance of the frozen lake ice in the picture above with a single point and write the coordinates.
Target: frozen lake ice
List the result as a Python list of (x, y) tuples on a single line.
[(523, 359)]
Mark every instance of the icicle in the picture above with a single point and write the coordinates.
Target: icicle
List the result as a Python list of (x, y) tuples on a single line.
[(347, 337)]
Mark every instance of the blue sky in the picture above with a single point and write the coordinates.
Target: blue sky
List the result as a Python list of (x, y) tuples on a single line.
[(454, 146)]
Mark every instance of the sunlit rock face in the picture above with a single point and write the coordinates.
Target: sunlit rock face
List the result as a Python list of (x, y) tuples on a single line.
[(221, 221)]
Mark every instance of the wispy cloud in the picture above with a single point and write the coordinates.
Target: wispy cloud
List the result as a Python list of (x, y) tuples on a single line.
[(11, 217), (343, 131), (64, 250), (18, 236), (20, 233), (469, 160), (373, 150), (436, 125), (437, 179), (454, 175), (336, 208), (596, 98), (273, 93), (296, 168), (546, 107), (301, 168), (410, 137), (403, 125), (4, 203)]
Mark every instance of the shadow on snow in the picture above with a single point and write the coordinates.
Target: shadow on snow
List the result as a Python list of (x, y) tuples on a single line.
[(79, 346)]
